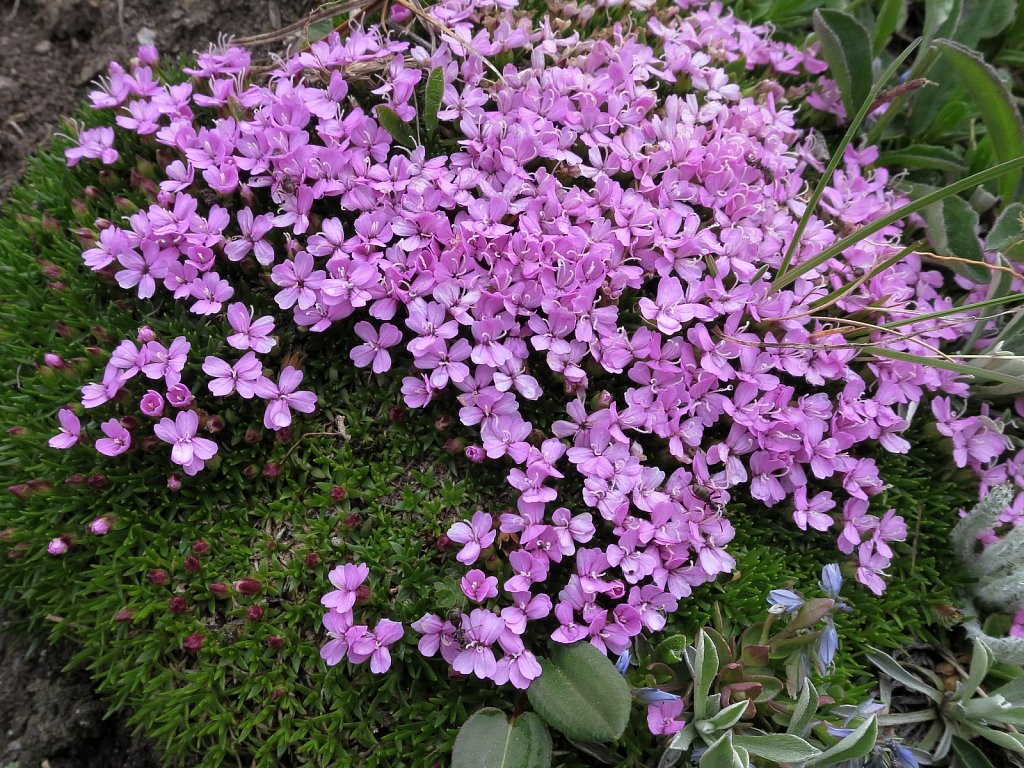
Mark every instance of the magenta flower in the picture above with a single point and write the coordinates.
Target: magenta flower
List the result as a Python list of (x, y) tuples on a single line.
[(518, 666), (663, 717), (347, 578), (93, 143), (166, 363), (179, 396), (210, 291), (117, 440), (478, 586), (152, 404), (436, 635), (374, 646), (240, 377), (283, 397), (249, 333), (337, 624), (70, 430), (475, 536), (480, 630), (187, 450), (375, 350)]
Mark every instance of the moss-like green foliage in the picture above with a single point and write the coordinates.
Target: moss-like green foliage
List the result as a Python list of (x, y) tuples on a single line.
[(257, 691)]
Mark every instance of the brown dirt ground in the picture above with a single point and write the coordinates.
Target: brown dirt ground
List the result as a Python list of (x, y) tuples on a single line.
[(49, 52)]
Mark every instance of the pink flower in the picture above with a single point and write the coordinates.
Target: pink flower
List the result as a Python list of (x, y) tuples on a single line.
[(347, 578), (240, 377), (210, 291), (374, 646), (187, 450), (93, 143), (337, 624), (166, 363), (480, 630), (70, 430), (249, 333), (57, 546), (282, 397), (179, 396), (663, 717), (375, 350), (478, 586), (117, 440), (152, 404), (475, 535)]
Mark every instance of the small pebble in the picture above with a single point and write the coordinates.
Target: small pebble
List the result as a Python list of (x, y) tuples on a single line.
[(43, 46)]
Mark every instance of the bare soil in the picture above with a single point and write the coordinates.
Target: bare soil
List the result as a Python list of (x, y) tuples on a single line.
[(50, 50)]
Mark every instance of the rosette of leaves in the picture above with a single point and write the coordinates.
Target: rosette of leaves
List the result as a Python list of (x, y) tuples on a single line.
[(917, 700), (740, 706)]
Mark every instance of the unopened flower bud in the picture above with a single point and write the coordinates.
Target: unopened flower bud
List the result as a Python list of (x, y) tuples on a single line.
[(444, 544), (214, 424), (151, 444), (362, 594), (80, 210), (271, 470), (312, 560), (399, 14), (193, 643), (338, 493), (251, 472), (174, 481), (49, 223), (58, 546), (100, 526), (219, 589), (21, 490), (16, 431), (396, 414), (124, 615), (97, 481), (177, 604), (277, 693), (443, 423), (255, 613), (54, 361), (453, 446), (475, 454), (248, 586), (158, 576), (129, 422), (352, 521), (192, 564), (76, 479), (201, 547), (283, 435), (64, 330), (252, 435), (274, 642)]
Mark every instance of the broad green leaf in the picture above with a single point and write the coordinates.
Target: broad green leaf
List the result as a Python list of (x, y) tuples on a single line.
[(722, 754), (787, 276), (810, 613), (996, 105), (857, 744), (982, 19), (704, 672), (924, 156), (896, 671), (891, 17), (804, 710), (432, 102), (489, 740), (581, 694), (953, 231), (846, 46), (778, 747), (1007, 234), (981, 662), (725, 719), (400, 131), (966, 755)]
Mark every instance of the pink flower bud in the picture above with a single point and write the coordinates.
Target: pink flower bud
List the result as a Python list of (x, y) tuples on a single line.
[(54, 361), (174, 481), (248, 586), (177, 604), (179, 396), (274, 642), (97, 481), (255, 613), (475, 454), (201, 547), (57, 546), (193, 643), (152, 404), (338, 493), (100, 526), (219, 589), (145, 334), (124, 615), (158, 576), (192, 564)]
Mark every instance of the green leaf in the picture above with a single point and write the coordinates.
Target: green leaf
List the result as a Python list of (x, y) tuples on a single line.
[(953, 231), (1007, 234), (804, 710), (981, 662), (489, 740), (1011, 741), (924, 156), (857, 744), (846, 46), (891, 17), (996, 105), (400, 131), (432, 103), (722, 754), (974, 371), (984, 19), (778, 747), (967, 755), (810, 613), (896, 671), (725, 719), (581, 694), (704, 672)]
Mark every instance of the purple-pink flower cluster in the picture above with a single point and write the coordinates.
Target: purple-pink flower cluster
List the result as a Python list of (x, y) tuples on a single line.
[(356, 642), (603, 236)]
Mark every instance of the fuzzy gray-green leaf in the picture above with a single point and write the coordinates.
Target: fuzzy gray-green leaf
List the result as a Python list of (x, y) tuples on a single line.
[(489, 740)]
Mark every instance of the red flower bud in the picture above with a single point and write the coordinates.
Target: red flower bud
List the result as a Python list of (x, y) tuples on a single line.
[(124, 615), (177, 604), (16, 431), (396, 414), (444, 544), (193, 643), (219, 589), (338, 493), (352, 521), (97, 481), (271, 470), (214, 424), (255, 613), (312, 560), (192, 564), (248, 586), (158, 576), (453, 446), (201, 547), (252, 435), (274, 642), (76, 479), (277, 693), (251, 472), (283, 435), (21, 490), (151, 444)]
